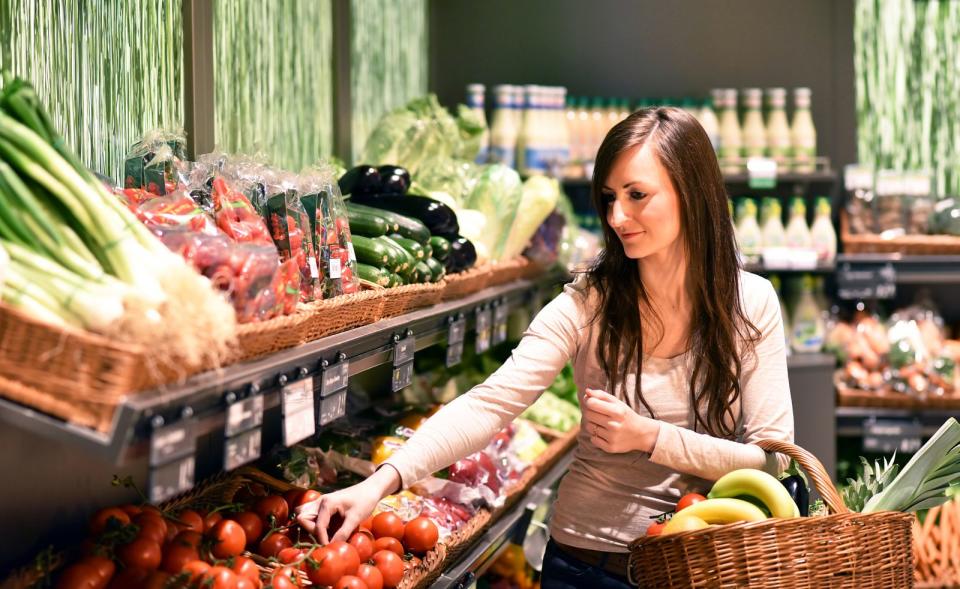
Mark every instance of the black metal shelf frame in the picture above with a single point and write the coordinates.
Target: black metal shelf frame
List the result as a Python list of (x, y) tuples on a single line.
[(918, 270), (204, 397), (820, 177), (851, 420)]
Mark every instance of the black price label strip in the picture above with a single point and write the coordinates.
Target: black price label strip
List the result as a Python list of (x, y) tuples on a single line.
[(244, 415), (402, 377), (484, 318)]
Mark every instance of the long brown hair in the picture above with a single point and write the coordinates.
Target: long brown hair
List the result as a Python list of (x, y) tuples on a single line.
[(718, 322)]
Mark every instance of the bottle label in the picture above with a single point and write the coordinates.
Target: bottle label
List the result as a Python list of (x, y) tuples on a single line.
[(803, 157), (502, 155), (536, 159)]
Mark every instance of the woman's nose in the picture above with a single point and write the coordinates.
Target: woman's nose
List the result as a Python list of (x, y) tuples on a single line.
[(616, 214)]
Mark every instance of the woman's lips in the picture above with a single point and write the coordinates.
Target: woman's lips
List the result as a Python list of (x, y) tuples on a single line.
[(631, 235)]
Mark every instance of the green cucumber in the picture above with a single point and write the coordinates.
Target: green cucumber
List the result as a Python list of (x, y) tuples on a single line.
[(437, 271), (373, 252), (367, 224), (406, 226), (396, 280), (413, 248), (422, 272), (373, 274), (404, 260), (441, 248), (427, 250), (392, 226)]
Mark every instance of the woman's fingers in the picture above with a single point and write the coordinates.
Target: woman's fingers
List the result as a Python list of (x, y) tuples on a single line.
[(307, 514), (603, 406), (351, 520)]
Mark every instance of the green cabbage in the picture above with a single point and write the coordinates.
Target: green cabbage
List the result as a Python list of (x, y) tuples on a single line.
[(497, 195), (539, 198)]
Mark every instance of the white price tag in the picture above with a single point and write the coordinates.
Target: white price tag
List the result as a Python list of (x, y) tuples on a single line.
[(241, 449), (333, 407), (334, 378), (314, 271), (353, 254), (335, 268), (761, 172), (298, 411), (244, 415), (170, 442), (484, 318), (171, 479)]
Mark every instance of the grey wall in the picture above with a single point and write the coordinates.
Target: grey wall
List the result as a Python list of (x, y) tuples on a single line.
[(654, 48)]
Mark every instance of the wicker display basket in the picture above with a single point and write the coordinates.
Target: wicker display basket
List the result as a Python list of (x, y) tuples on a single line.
[(339, 314), (916, 245), (889, 399), (410, 297), (843, 550), (465, 283), (507, 271)]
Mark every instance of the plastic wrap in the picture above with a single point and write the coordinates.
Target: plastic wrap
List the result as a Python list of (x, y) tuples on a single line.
[(859, 183), (157, 163), (338, 262)]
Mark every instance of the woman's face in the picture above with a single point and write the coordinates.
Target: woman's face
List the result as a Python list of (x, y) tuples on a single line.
[(642, 206)]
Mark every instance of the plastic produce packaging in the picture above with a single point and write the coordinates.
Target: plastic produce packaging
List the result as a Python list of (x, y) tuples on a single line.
[(860, 199)]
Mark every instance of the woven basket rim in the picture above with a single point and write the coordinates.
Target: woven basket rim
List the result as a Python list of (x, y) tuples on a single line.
[(93, 338)]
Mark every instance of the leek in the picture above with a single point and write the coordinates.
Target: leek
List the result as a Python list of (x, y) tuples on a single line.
[(925, 480)]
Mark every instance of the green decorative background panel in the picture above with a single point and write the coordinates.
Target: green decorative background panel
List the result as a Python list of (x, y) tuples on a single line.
[(389, 59), (908, 87), (274, 78), (107, 70)]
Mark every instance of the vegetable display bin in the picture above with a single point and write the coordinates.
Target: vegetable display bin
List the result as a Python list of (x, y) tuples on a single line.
[(410, 297), (841, 550), (462, 284)]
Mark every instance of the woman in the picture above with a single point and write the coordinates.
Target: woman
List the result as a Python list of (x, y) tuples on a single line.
[(665, 300)]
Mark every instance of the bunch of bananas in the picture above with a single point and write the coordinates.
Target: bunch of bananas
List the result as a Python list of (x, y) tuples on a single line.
[(745, 495)]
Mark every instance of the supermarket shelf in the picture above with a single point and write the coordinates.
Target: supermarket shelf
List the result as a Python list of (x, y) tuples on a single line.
[(851, 420), (512, 524), (763, 269), (908, 269), (801, 361), (204, 397)]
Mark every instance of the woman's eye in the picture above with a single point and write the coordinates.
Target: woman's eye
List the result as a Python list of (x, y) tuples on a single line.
[(608, 197), (636, 195)]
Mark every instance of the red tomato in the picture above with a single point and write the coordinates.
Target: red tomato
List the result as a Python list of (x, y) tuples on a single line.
[(219, 577), (153, 510), (273, 544), (173, 528), (252, 525), (391, 544), (656, 528), (326, 568), (292, 497), (367, 524), (191, 521), (308, 496), (187, 538), (387, 524), (196, 569), (129, 579), (229, 539), (688, 500), (132, 510), (349, 554), (104, 566), (108, 518), (362, 541), (245, 567), (390, 566), (420, 535), (142, 553), (245, 583), (210, 520), (80, 576), (273, 506), (371, 576), (289, 555), (152, 527), (350, 582), (285, 578), (176, 556)]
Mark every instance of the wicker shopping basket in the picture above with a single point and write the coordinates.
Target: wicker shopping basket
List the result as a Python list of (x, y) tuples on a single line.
[(842, 550)]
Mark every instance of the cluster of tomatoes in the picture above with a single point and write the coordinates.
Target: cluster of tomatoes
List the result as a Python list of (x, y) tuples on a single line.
[(656, 528), (143, 547)]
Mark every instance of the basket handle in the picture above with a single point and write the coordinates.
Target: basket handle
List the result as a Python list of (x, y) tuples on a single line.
[(814, 469)]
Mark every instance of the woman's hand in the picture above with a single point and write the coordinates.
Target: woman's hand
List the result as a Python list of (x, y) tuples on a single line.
[(616, 428), (353, 504)]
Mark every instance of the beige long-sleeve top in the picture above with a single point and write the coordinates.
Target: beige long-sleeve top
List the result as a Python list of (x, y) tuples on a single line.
[(606, 500)]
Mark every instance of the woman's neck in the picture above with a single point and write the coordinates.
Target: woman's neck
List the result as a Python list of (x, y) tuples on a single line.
[(664, 277)]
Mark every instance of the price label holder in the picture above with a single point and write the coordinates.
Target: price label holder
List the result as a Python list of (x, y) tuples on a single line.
[(888, 435), (866, 282), (242, 434), (484, 329), (333, 389), (500, 314), (172, 457), (299, 421), (536, 301), (761, 172), (403, 350), (456, 334)]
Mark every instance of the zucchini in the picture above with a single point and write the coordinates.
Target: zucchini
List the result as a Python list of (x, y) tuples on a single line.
[(373, 274), (396, 280), (422, 272), (392, 226), (441, 248), (427, 250), (404, 260), (413, 248), (406, 226), (373, 252), (437, 271), (366, 224)]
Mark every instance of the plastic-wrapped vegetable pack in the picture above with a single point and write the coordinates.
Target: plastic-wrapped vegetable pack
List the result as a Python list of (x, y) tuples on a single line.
[(338, 262)]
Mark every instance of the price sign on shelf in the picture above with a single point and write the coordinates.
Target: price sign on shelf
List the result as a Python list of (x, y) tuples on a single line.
[(403, 350), (244, 415), (500, 314), (889, 435), (170, 442), (171, 479), (456, 334), (484, 330), (761, 172), (402, 377), (333, 407), (871, 282), (334, 378), (241, 449), (297, 407)]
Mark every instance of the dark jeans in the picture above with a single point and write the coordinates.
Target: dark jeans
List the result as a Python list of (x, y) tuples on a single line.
[(562, 571)]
